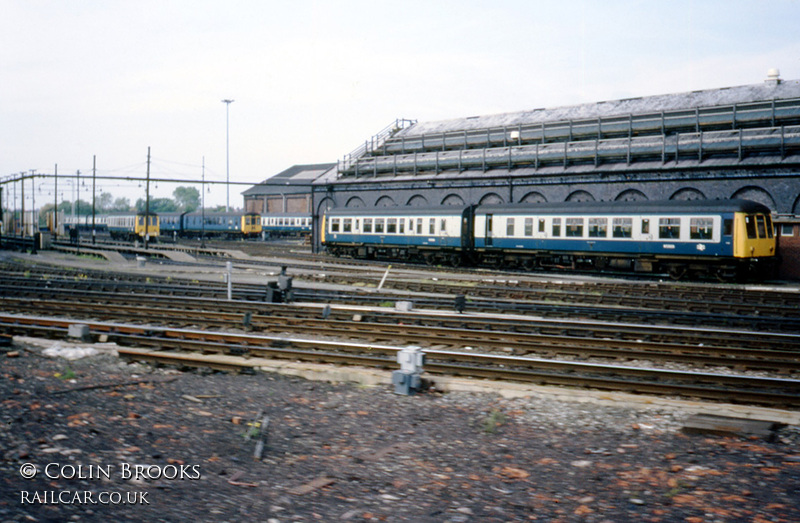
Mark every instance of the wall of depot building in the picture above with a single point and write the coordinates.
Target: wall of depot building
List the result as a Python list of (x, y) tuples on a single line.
[(788, 229)]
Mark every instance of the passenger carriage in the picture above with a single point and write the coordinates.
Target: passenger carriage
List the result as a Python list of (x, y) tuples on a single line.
[(728, 239)]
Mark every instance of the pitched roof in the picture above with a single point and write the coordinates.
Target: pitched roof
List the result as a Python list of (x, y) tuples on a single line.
[(296, 175)]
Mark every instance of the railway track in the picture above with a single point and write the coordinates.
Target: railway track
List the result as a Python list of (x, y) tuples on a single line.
[(523, 335), (236, 351), (756, 351), (759, 315)]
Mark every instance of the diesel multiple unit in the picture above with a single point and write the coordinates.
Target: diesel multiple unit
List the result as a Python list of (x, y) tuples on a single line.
[(727, 239)]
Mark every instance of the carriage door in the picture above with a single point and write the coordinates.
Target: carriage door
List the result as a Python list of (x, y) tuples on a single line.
[(488, 230)]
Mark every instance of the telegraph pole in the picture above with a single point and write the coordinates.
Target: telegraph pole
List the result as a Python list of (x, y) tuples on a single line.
[(34, 218), (34, 221), (147, 202), (203, 208), (94, 176), (55, 206), (22, 182)]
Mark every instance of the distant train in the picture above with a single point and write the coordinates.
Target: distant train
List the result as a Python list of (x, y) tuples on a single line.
[(121, 226), (286, 225), (232, 225), (726, 239)]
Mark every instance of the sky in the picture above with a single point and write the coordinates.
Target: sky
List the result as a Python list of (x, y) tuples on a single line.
[(312, 80)]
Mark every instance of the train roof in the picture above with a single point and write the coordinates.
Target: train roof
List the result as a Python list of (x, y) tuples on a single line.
[(626, 207), (396, 211), (218, 213), (632, 207)]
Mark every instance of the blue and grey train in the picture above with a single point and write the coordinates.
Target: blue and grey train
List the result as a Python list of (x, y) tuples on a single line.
[(232, 225), (120, 226), (279, 225), (726, 239)]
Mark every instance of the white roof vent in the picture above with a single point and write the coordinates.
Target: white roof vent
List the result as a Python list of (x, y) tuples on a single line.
[(773, 77)]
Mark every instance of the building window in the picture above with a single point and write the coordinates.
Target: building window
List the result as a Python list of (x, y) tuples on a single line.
[(787, 229)]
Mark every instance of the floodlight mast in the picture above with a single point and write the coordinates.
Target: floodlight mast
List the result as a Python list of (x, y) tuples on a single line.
[(227, 103)]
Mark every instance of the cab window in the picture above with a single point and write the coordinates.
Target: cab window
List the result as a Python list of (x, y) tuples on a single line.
[(750, 226)]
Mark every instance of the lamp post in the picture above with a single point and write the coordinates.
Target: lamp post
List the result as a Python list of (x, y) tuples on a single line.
[(227, 103)]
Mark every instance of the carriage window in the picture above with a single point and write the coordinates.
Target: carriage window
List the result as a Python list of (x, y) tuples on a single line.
[(401, 226), (509, 227), (669, 228), (367, 224), (529, 226), (622, 227), (574, 227), (750, 225), (419, 225), (770, 227), (646, 226), (347, 225), (701, 228), (391, 226), (379, 225), (335, 225), (541, 224), (556, 227), (598, 227), (762, 226), (432, 226)]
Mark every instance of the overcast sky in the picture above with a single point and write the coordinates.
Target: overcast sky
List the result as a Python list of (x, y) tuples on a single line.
[(311, 80)]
